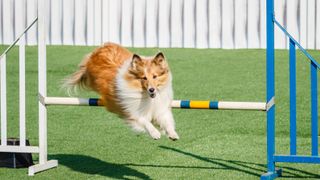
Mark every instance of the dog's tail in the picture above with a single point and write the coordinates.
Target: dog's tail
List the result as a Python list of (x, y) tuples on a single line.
[(77, 80)]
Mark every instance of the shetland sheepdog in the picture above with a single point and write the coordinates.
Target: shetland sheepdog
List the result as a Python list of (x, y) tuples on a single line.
[(136, 88)]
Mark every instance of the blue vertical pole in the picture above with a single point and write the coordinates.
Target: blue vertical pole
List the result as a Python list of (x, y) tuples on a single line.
[(270, 86), (293, 119), (314, 109)]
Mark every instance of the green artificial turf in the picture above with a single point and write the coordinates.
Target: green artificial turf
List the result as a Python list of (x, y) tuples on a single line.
[(91, 143)]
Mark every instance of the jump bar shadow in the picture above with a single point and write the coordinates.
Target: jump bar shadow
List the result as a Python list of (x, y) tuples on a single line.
[(250, 168), (94, 166)]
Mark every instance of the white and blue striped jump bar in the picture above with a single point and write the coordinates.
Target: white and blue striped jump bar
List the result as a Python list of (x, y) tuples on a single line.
[(183, 104)]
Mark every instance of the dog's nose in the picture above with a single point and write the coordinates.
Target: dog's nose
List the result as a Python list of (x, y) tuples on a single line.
[(151, 90)]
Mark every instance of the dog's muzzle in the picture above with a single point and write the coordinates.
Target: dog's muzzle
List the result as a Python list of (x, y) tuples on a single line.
[(152, 92)]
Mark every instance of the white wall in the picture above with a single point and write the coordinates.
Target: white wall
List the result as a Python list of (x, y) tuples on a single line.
[(163, 23)]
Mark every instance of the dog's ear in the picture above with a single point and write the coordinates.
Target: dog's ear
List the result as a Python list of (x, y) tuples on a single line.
[(136, 61), (159, 59)]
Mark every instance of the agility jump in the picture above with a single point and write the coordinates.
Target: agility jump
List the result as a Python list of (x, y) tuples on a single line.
[(268, 105), (182, 104)]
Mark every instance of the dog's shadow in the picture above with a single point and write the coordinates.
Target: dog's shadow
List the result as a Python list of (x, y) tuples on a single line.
[(94, 166)]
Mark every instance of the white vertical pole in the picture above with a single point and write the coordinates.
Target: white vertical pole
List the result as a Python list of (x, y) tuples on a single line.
[(189, 26), (240, 24), (7, 20), (177, 23), (227, 24), (253, 24), (68, 22), (22, 92), (3, 94), (56, 22), (42, 82), (263, 28), (214, 23), (31, 15), (139, 17), (105, 20), (317, 25), (151, 23), (311, 24), (202, 24), (97, 23), (127, 23), (114, 21), (279, 9), (90, 22), (164, 23)]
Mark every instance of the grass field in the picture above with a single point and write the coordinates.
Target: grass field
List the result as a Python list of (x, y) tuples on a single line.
[(90, 143)]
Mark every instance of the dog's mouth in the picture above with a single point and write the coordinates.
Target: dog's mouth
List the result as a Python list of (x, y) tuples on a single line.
[(152, 95)]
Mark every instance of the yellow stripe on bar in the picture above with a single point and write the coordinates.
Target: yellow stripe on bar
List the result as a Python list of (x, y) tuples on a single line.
[(199, 104)]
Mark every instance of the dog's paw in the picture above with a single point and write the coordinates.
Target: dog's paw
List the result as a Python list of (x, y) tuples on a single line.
[(173, 136), (155, 135)]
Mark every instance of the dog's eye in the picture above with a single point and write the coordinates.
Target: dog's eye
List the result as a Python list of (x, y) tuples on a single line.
[(154, 76), (144, 78)]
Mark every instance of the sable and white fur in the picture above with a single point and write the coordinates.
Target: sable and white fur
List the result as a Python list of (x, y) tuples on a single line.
[(137, 88)]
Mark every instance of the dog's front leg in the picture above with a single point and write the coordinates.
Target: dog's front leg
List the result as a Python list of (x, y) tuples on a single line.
[(153, 132), (166, 122)]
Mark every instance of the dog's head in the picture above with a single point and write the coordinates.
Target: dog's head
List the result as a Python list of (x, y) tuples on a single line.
[(148, 73)]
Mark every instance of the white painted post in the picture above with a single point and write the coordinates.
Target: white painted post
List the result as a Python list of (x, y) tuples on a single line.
[(79, 22), (240, 24), (139, 15), (97, 22), (19, 17), (164, 23), (318, 25), (114, 21), (56, 22), (311, 24), (263, 23), (292, 19), (8, 19), (68, 22), (189, 27), (1, 30), (31, 15), (151, 23), (176, 23), (22, 92), (127, 23), (202, 24), (279, 36), (105, 20), (227, 24), (90, 23), (42, 82), (253, 24), (214, 24), (3, 104)]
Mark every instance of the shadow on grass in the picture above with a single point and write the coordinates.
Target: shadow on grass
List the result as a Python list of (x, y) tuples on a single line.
[(250, 168), (94, 166), (91, 165)]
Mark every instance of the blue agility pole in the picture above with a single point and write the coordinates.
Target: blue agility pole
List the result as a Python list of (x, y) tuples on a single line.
[(270, 85), (272, 158)]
